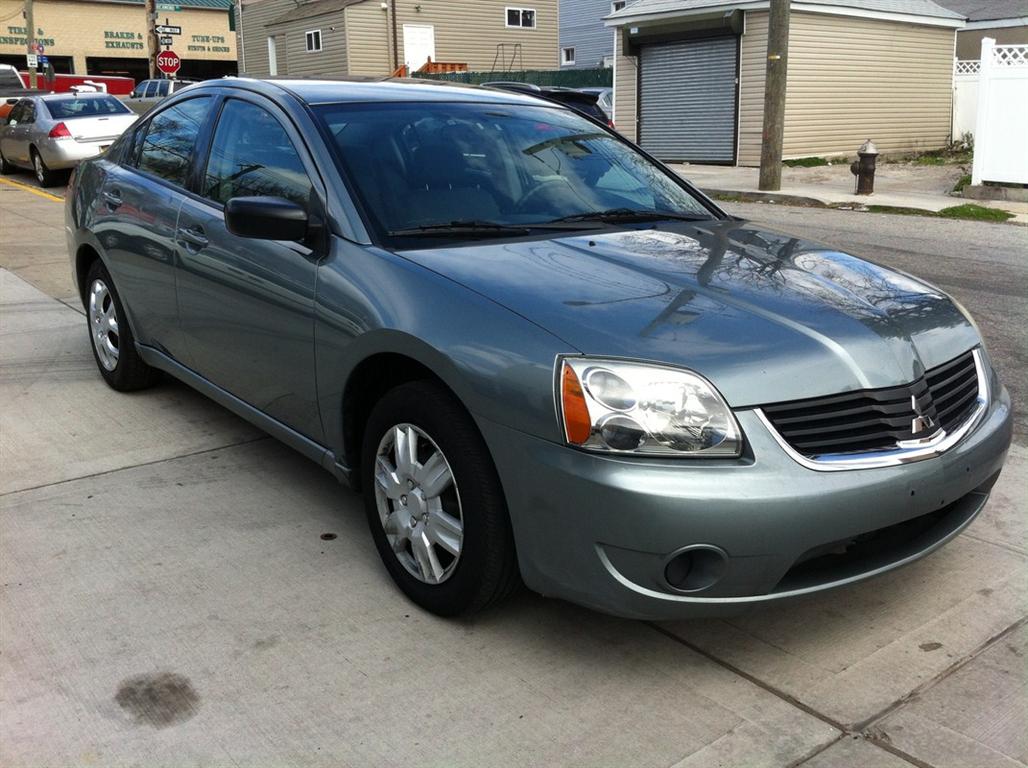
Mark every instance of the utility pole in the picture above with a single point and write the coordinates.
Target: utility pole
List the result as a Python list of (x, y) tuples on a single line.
[(774, 96), (30, 40), (153, 45)]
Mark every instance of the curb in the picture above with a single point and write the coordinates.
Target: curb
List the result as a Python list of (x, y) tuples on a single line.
[(739, 196)]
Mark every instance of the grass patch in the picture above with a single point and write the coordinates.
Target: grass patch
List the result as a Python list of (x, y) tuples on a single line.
[(805, 162), (930, 160), (975, 213), (725, 197), (967, 212), (962, 182)]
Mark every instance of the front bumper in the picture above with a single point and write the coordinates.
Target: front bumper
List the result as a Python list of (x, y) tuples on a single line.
[(61, 154), (599, 531)]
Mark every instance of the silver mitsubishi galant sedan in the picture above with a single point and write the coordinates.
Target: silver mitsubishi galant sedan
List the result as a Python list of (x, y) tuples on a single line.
[(541, 355)]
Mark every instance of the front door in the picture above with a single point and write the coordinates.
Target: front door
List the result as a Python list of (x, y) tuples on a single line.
[(247, 305), (418, 45)]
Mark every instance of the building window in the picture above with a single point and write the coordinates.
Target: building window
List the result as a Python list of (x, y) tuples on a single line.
[(567, 55), (313, 41), (617, 5), (521, 17)]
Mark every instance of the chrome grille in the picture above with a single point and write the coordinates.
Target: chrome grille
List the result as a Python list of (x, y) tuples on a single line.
[(880, 419)]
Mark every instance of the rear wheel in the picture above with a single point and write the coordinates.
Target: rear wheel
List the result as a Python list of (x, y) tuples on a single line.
[(113, 347), (434, 502), (44, 175)]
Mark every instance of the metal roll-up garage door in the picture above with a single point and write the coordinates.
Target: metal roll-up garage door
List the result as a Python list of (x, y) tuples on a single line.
[(687, 99)]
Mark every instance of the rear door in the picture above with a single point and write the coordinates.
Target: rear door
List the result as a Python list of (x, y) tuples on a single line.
[(136, 215), (687, 99), (247, 305)]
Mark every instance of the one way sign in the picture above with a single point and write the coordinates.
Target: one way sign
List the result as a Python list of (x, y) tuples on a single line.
[(164, 29)]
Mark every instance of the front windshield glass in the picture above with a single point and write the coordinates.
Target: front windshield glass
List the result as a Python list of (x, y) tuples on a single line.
[(424, 165)]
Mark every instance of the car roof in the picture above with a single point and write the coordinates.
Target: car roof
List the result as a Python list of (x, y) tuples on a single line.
[(72, 95), (373, 89)]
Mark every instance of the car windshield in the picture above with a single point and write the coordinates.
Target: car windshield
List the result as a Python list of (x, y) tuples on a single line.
[(85, 106), (495, 168)]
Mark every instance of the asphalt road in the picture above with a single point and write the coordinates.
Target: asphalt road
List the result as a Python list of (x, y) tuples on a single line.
[(169, 594), (984, 266)]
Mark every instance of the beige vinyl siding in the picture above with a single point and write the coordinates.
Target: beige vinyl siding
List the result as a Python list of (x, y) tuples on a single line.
[(626, 90), (752, 68), (254, 33), (469, 32), (292, 42), (851, 79), (368, 39)]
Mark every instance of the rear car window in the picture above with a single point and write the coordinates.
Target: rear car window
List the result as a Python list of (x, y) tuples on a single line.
[(85, 106), (170, 137)]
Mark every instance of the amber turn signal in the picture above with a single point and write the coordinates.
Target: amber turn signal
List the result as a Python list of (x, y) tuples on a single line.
[(577, 424)]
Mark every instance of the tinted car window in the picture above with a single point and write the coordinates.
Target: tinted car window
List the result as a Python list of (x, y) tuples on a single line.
[(428, 164), (85, 106), (162, 88), (169, 139), (151, 88), (252, 156), (16, 112)]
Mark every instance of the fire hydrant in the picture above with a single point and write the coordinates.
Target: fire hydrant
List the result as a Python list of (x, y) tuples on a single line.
[(864, 168)]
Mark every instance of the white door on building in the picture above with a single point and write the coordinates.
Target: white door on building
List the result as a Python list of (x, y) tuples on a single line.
[(418, 45), (272, 57)]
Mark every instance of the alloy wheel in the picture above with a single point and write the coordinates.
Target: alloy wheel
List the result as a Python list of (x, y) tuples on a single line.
[(37, 164), (103, 324), (418, 503)]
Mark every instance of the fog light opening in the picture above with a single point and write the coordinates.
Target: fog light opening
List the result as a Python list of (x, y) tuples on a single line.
[(695, 568)]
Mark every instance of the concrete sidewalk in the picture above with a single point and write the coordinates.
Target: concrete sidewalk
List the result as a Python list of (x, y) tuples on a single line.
[(898, 185)]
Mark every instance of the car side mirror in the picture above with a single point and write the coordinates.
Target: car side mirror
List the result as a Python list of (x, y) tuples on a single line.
[(13, 101), (266, 218)]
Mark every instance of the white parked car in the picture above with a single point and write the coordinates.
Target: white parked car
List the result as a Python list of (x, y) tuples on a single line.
[(54, 133)]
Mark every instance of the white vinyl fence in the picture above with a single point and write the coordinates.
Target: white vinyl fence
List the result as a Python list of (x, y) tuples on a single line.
[(1001, 128), (965, 96)]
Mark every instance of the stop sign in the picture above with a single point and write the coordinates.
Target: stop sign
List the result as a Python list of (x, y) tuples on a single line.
[(168, 62)]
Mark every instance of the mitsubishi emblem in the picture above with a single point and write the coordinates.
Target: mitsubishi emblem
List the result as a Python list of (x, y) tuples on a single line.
[(920, 423)]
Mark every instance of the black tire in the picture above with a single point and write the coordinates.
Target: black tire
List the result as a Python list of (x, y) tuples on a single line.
[(486, 571), (43, 174), (129, 372), (5, 167)]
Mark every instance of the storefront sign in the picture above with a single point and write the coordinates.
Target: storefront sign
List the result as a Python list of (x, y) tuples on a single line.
[(19, 36), (121, 39)]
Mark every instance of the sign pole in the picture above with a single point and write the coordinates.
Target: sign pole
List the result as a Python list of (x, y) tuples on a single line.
[(153, 47), (30, 27)]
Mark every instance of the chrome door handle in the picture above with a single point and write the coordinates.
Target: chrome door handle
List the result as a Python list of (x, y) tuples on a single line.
[(193, 236), (113, 199)]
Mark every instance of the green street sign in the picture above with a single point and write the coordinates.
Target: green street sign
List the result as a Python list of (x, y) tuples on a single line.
[(168, 7)]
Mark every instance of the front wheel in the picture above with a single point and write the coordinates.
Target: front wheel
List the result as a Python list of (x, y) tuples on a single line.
[(434, 502), (5, 167)]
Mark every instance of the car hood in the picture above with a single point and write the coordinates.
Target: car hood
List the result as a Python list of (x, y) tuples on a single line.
[(765, 316)]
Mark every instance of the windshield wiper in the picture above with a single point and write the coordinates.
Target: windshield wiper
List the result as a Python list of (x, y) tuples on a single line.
[(461, 227), (630, 214)]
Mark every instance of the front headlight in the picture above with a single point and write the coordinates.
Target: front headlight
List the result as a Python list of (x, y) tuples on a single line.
[(619, 407)]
